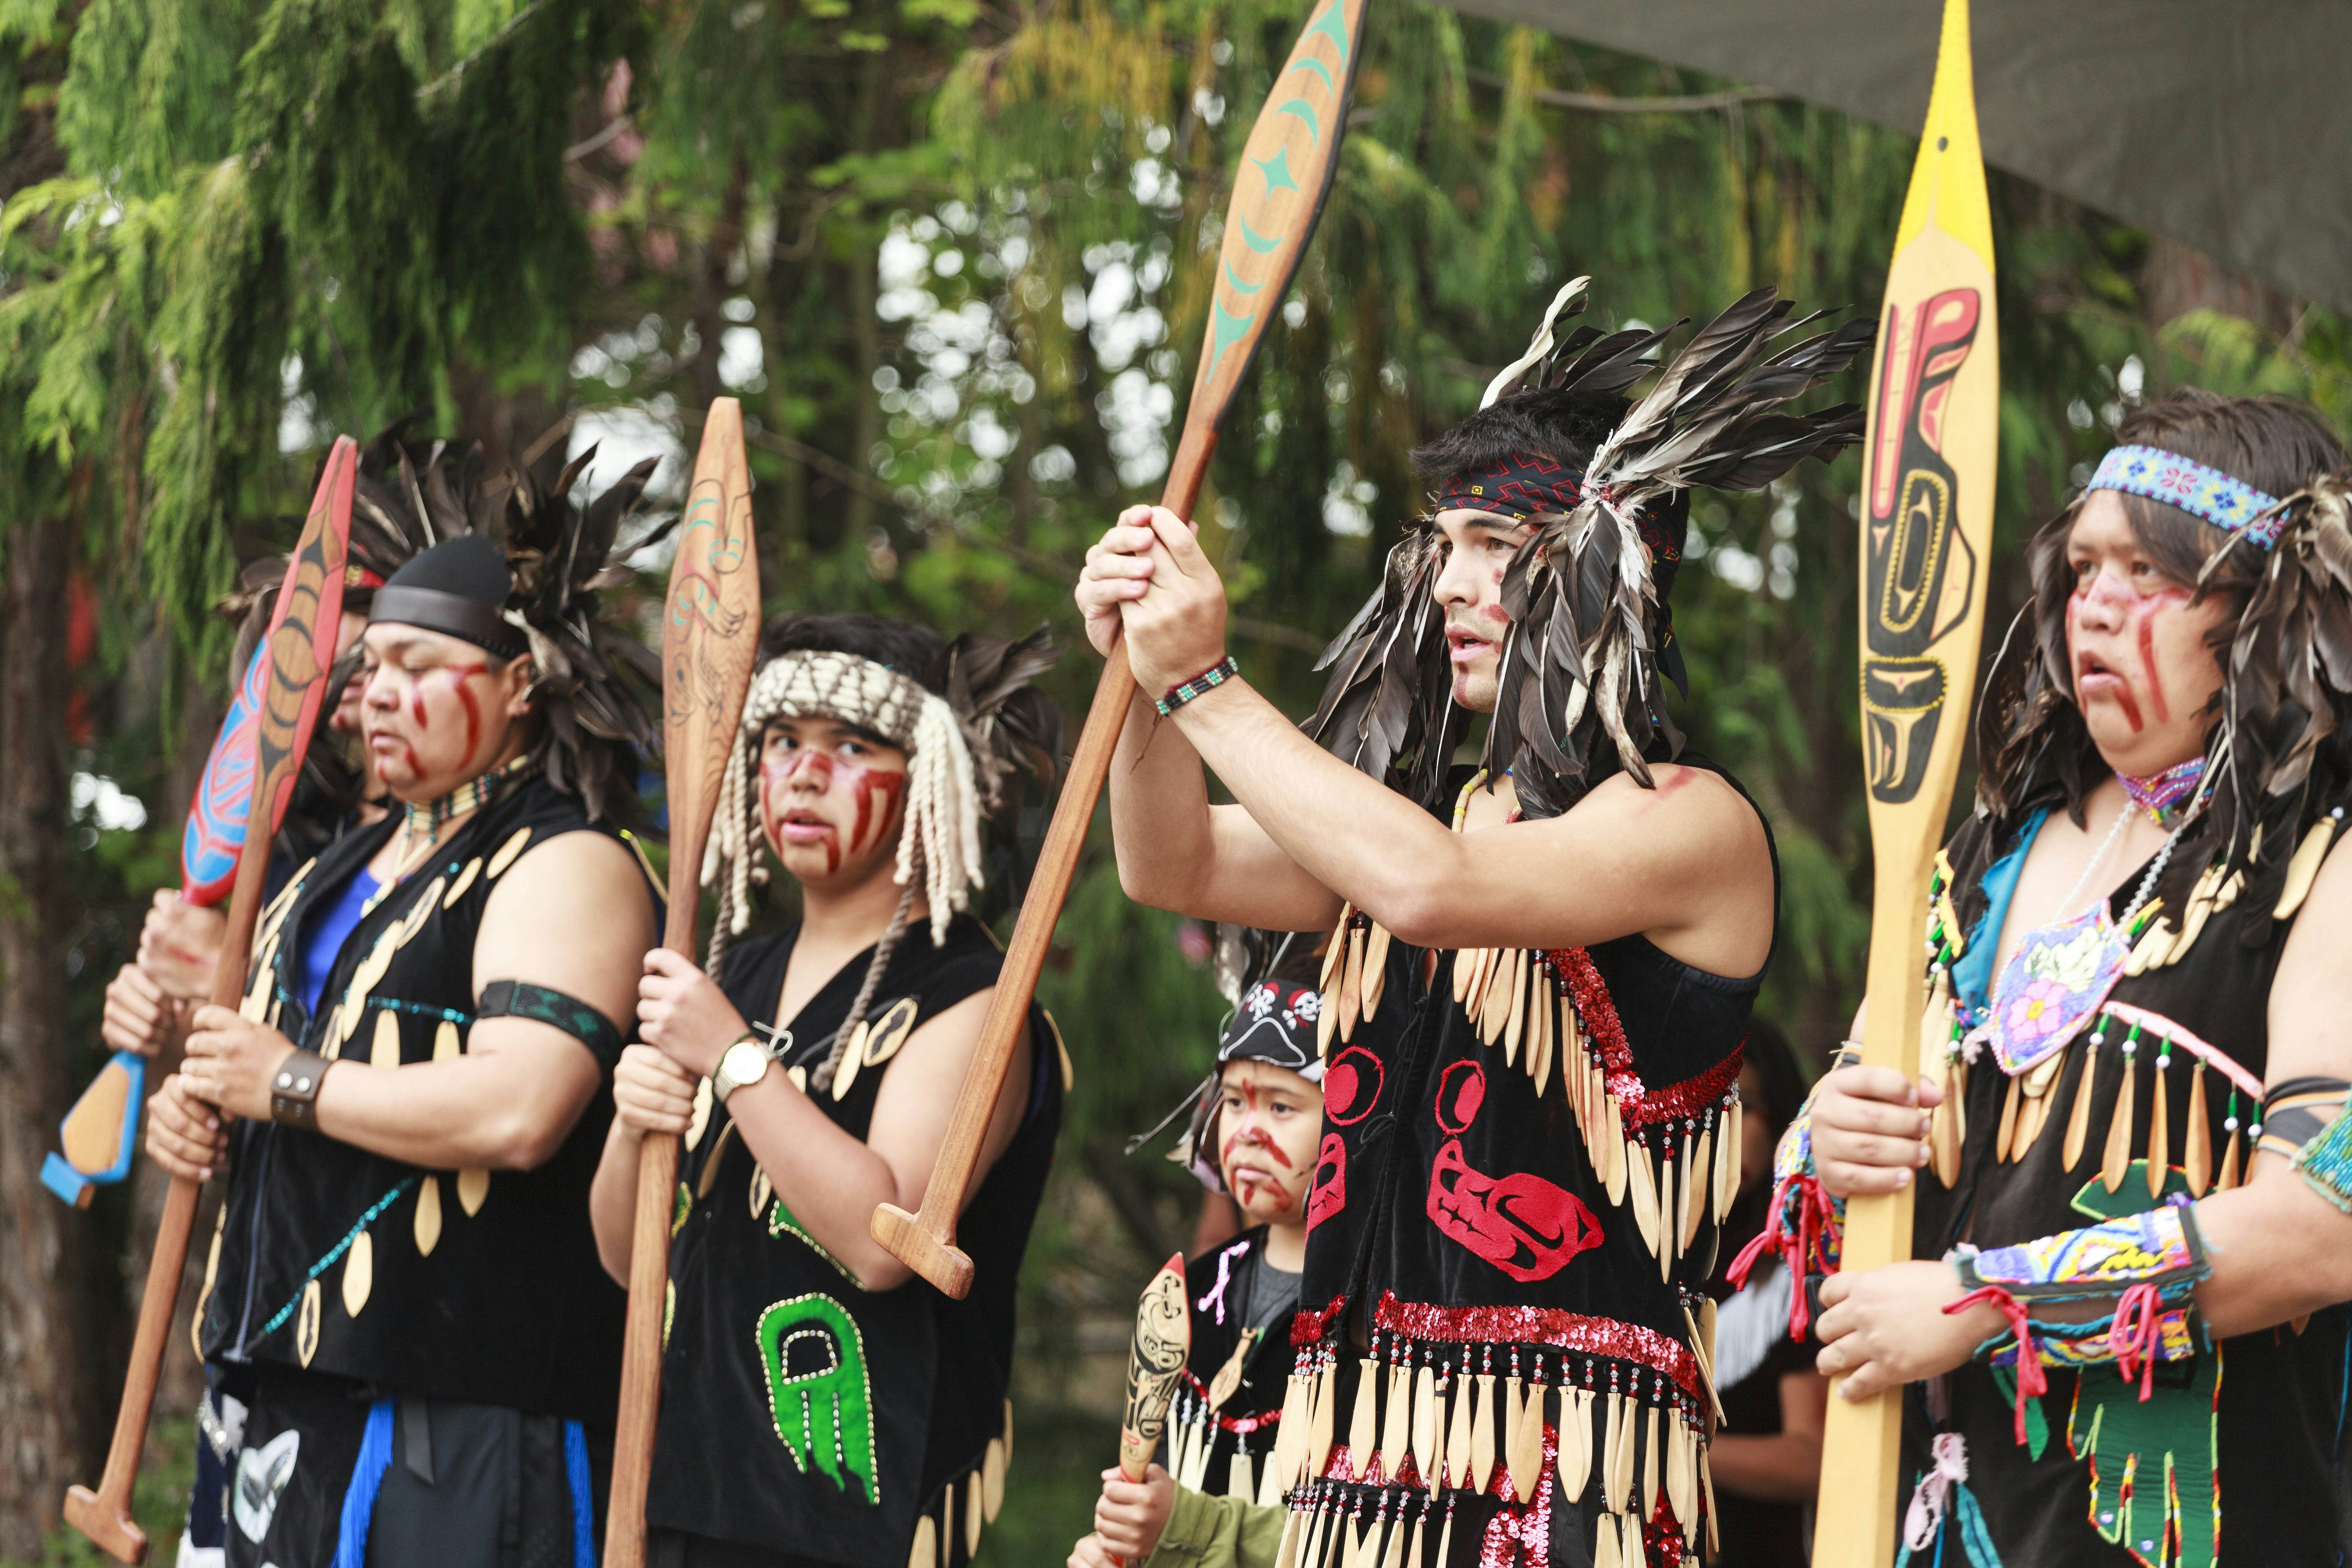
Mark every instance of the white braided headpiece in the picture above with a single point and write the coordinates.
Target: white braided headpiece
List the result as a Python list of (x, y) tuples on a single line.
[(943, 801)]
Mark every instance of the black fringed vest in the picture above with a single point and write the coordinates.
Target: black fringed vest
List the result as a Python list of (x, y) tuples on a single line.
[(2239, 1451), (478, 1286), (800, 1412), (1227, 1412), (1518, 1203)]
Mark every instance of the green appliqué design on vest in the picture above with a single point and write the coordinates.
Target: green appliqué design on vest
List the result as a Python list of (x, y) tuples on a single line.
[(2153, 1489), (781, 1223), (815, 1359)]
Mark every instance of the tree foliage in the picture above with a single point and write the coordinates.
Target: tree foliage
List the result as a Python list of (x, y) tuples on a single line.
[(954, 255)]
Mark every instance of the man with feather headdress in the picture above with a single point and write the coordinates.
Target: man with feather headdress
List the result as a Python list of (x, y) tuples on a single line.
[(405, 1278), (820, 1405), (1530, 1023), (2129, 1147)]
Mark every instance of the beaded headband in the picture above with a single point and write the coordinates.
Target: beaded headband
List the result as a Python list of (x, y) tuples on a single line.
[(2195, 487)]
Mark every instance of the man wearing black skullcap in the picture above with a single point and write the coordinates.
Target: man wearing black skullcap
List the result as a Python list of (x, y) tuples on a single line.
[(411, 1096)]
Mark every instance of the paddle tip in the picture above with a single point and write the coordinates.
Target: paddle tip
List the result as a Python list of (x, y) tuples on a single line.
[(108, 1525), (935, 1258)]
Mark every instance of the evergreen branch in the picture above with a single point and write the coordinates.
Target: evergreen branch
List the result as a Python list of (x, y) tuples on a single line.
[(579, 150), (1607, 103), (450, 78)]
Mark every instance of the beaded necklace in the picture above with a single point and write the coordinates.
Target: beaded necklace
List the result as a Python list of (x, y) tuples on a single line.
[(2061, 972), (421, 821)]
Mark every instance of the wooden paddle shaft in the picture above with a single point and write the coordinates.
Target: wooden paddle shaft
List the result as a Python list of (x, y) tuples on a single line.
[(711, 632), (925, 1241), (641, 1348), (104, 1515), (1859, 1494)]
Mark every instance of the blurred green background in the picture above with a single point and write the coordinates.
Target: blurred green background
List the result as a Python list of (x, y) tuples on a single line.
[(953, 256)]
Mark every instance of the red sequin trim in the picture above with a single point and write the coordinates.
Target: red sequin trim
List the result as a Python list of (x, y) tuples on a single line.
[(1519, 1534), (1640, 1105), (1235, 1423), (1540, 1326), (1309, 1326)]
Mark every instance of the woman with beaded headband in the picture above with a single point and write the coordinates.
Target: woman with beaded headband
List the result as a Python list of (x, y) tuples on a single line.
[(2139, 970), (1540, 971), (818, 1404)]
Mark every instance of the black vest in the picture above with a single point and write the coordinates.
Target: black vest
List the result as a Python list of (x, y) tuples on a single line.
[(464, 1285), (1227, 1413), (800, 1412), (1468, 1223), (2256, 1422)]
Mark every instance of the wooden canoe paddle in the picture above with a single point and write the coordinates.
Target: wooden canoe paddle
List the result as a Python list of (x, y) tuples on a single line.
[(100, 1134), (1285, 174), (295, 657), (710, 637), (1926, 535), (1163, 1338)]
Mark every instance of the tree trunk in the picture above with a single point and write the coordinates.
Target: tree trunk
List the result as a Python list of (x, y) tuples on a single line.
[(47, 1423)]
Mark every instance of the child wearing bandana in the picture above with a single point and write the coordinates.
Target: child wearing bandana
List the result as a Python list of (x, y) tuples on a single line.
[(1257, 1126)]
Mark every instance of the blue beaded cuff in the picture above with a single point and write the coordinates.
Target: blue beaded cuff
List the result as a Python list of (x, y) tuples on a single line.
[(2325, 1162), (1200, 685)]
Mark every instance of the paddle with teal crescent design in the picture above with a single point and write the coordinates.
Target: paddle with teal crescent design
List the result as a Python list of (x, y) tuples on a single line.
[(1281, 181)]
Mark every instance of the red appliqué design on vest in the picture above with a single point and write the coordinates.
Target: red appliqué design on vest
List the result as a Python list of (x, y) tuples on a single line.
[(1329, 1194), (1351, 1087), (1522, 1224)]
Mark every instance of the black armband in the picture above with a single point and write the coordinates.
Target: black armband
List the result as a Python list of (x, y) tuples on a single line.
[(2297, 1111), (545, 1005)]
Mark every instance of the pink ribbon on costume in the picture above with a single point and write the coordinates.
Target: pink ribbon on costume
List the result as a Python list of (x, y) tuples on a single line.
[(1224, 1278), (1947, 1466), (2136, 1335), (2031, 1381), (1801, 1249)]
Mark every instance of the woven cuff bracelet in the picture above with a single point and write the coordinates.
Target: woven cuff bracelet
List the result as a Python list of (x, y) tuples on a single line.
[(1200, 685)]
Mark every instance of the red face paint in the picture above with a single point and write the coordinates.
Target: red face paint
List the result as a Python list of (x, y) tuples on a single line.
[(878, 793), (458, 675), (2122, 689), (2145, 613)]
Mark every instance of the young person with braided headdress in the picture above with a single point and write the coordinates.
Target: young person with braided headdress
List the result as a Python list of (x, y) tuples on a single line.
[(1531, 1022), (2140, 969), (410, 1099), (818, 1406)]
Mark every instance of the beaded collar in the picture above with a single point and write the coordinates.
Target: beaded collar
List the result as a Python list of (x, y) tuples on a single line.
[(2160, 795), (422, 818)]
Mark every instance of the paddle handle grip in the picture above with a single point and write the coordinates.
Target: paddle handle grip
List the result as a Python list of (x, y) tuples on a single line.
[(104, 1515)]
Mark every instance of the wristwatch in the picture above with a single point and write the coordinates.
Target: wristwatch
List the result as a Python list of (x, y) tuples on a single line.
[(744, 1062)]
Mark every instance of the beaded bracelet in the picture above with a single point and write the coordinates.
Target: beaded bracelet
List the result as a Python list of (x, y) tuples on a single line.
[(1200, 685)]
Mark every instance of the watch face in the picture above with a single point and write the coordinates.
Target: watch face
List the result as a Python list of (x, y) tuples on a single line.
[(743, 1063)]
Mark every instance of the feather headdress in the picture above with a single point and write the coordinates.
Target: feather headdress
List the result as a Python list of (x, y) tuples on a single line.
[(973, 728), (1585, 594), (596, 690)]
